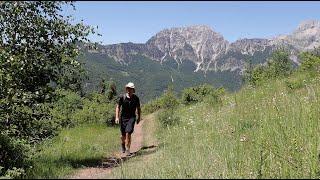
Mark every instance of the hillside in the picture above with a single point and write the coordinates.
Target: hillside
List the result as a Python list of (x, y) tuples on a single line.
[(151, 78), (271, 131), (189, 56)]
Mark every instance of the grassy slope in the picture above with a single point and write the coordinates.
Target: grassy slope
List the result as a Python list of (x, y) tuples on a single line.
[(267, 132), (74, 148)]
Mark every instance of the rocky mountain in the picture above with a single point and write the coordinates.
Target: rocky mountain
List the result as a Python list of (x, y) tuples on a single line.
[(208, 50), (199, 49)]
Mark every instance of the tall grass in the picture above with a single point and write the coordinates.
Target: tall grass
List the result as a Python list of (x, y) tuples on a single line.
[(271, 131), (73, 148)]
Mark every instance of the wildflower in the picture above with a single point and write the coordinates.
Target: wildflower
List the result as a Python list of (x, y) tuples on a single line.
[(243, 139)]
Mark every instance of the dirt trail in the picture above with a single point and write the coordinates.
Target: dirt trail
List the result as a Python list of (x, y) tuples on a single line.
[(104, 169)]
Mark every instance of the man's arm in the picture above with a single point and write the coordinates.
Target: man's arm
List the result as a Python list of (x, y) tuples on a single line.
[(139, 114), (119, 103), (139, 111), (117, 113)]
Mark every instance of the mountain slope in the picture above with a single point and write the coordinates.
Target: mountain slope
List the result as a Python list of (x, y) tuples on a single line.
[(189, 55), (150, 77)]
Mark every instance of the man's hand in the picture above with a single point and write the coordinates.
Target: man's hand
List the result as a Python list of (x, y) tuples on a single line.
[(117, 120)]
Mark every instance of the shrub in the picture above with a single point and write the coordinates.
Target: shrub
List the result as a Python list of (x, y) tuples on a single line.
[(65, 106), (38, 53), (200, 93), (167, 100), (71, 109), (257, 76), (310, 63), (151, 106), (293, 84), (214, 98), (13, 156), (168, 118), (94, 112), (279, 65)]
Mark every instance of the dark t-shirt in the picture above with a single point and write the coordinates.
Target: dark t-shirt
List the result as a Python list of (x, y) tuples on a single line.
[(128, 106)]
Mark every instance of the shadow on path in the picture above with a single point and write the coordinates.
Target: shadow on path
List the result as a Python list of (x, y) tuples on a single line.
[(111, 162), (114, 161)]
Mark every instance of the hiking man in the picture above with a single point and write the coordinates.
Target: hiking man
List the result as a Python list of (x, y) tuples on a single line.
[(129, 103)]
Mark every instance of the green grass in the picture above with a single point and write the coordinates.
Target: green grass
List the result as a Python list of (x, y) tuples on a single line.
[(271, 131), (74, 148)]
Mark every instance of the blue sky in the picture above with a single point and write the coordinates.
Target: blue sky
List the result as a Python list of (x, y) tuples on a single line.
[(137, 21)]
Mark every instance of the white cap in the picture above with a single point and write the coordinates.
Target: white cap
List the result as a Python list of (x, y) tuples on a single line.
[(130, 85)]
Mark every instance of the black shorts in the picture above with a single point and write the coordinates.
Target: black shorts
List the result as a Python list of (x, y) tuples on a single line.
[(127, 125)]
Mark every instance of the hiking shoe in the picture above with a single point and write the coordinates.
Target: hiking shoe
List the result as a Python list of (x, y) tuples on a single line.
[(123, 148), (128, 152)]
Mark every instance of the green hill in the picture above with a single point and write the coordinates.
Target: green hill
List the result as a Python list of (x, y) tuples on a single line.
[(151, 78), (270, 131)]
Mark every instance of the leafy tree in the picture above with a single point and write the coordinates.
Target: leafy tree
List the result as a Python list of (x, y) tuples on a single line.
[(310, 62), (38, 47), (279, 65), (109, 89), (38, 50), (201, 93), (112, 90), (248, 70)]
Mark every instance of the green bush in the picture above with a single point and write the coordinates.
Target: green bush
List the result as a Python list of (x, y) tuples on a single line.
[(258, 75), (14, 156), (168, 118), (33, 62), (65, 106), (151, 106), (201, 93), (279, 65), (94, 112), (293, 84), (167, 100), (71, 109), (310, 63), (214, 99)]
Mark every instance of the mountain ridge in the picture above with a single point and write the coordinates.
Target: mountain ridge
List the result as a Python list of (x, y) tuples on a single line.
[(192, 55), (208, 49)]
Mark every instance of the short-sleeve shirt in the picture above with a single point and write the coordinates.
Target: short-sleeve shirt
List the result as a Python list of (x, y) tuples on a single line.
[(128, 106)]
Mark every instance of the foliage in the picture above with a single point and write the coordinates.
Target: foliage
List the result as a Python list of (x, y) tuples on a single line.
[(70, 109), (168, 118), (166, 101), (67, 102), (295, 82), (279, 65), (202, 93), (109, 89), (310, 62), (37, 54), (14, 154), (95, 110), (150, 77)]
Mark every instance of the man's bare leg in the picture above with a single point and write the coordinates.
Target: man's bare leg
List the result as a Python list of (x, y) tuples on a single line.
[(128, 142), (123, 138)]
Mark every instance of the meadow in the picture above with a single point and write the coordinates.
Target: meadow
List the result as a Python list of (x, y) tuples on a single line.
[(74, 148), (270, 131)]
